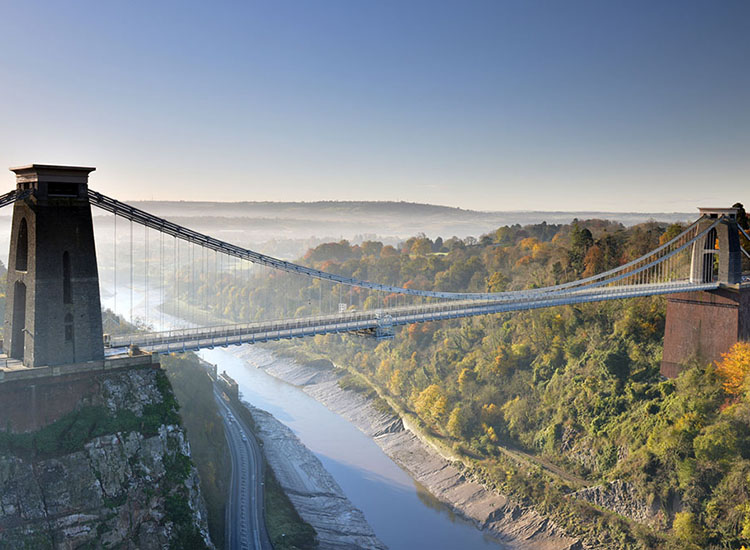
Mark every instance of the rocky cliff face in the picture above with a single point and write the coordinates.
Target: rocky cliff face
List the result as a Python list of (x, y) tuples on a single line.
[(116, 472), (621, 497)]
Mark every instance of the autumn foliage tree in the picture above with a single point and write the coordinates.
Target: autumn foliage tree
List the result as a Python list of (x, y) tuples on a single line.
[(734, 368)]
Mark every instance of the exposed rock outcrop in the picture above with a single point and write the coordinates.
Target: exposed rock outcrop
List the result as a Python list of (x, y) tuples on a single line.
[(132, 488), (620, 497)]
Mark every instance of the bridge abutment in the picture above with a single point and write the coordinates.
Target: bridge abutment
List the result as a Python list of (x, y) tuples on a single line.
[(704, 324), (31, 399)]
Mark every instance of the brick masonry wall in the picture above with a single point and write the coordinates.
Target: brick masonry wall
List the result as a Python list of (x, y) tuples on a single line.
[(28, 405), (703, 325)]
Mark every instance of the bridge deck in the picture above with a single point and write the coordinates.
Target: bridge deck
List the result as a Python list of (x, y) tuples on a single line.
[(379, 321)]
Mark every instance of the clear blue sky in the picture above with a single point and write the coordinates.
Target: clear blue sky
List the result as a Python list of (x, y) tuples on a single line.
[(498, 105)]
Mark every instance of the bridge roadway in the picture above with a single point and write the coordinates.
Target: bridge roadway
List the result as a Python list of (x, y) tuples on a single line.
[(378, 322)]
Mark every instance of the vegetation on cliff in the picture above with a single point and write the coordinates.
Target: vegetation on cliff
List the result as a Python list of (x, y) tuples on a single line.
[(205, 431)]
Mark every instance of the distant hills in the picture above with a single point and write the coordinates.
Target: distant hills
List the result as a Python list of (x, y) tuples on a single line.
[(288, 229), (347, 219)]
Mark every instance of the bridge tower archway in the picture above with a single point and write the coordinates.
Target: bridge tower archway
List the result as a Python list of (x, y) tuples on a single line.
[(710, 267), (19, 321), (717, 257)]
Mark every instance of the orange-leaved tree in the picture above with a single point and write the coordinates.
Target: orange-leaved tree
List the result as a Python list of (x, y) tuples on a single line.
[(734, 368)]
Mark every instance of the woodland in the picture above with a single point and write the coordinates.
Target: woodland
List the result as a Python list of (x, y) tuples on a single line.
[(575, 388)]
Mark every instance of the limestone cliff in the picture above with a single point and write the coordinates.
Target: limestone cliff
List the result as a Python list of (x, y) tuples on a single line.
[(114, 472)]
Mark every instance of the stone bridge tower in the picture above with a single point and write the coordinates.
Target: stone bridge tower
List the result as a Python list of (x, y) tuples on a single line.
[(53, 312), (705, 324)]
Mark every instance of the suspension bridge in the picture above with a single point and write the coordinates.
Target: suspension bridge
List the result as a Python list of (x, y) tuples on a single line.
[(53, 310)]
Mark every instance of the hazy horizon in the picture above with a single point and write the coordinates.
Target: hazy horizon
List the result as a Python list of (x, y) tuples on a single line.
[(431, 204), (287, 230)]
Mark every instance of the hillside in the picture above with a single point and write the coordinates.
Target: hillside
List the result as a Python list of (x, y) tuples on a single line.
[(575, 389)]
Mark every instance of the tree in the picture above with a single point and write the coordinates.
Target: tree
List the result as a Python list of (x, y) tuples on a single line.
[(421, 247), (458, 422), (746, 521), (516, 413), (616, 362), (371, 248), (716, 442), (396, 383), (557, 272), (431, 404), (734, 368), (467, 382), (504, 235), (497, 282), (742, 218), (688, 530), (580, 242), (593, 262), (671, 232)]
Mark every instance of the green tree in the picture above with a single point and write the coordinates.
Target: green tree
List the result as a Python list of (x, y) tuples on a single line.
[(688, 530), (497, 282), (716, 442), (458, 422), (580, 242)]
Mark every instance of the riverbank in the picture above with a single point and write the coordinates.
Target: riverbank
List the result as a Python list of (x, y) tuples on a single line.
[(518, 527), (373, 481), (314, 493)]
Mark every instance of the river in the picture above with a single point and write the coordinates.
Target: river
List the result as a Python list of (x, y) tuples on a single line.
[(403, 514)]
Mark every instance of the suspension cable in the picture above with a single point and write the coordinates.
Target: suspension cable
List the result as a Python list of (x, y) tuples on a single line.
[(161, 281), (176, 308), (132, 321), (145, 276), (189, 235), (114, 240), (14, 196), (744, 234)]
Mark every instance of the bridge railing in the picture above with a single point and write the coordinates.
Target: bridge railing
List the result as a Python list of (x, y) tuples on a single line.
[(196, 338)]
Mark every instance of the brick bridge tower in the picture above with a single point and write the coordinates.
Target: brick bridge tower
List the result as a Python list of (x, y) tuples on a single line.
[(53, 312), (705, 324)]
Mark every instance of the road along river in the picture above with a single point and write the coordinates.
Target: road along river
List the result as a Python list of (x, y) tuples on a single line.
[(246, 526)]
